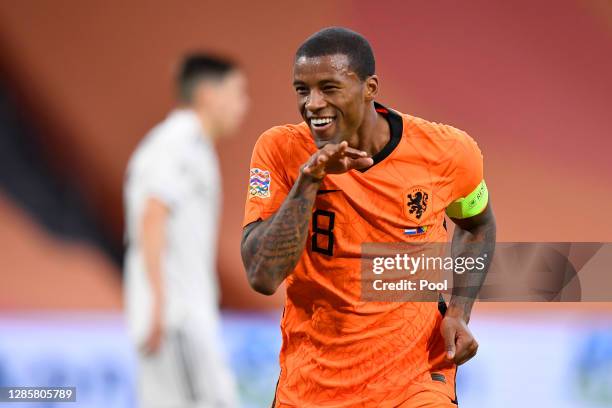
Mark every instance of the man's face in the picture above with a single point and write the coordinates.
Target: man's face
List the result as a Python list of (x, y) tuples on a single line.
[(225, 102), (331, 97)]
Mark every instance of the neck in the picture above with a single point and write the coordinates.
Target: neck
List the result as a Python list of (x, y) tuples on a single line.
[(207, 129), (373, 134)]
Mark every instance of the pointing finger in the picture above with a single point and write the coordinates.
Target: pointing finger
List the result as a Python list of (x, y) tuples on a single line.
[(360, 163), (355, 153), (340, 149)]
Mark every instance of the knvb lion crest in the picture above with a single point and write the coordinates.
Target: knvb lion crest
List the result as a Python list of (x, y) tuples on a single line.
[(417, 201)]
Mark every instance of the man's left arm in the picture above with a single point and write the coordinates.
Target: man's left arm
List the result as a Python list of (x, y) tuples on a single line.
[(474, 237)]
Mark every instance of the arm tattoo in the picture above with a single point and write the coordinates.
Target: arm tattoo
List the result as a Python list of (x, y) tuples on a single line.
[(271, 248), (472, 241)]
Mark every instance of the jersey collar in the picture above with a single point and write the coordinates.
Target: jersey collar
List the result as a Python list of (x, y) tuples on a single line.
[(396, 126)]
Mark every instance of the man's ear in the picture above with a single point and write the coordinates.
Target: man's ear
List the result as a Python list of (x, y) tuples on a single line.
[(371, 87)]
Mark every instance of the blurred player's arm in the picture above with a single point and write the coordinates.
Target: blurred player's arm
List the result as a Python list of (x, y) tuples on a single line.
[(270, 249), (153, 240)]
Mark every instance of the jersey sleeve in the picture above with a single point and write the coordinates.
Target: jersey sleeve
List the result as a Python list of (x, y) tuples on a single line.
[(165, 178), (470, 195), (268, 184)]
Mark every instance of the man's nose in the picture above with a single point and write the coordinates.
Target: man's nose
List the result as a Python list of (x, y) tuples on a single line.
[(315, 101)]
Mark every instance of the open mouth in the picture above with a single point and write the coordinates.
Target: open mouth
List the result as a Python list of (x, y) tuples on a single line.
[(322, 123)]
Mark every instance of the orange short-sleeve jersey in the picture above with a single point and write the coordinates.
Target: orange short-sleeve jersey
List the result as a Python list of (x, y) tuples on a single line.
[(340, 351)]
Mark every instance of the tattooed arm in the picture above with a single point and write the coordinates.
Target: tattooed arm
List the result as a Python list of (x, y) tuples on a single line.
[(473, 237), (270, 249)]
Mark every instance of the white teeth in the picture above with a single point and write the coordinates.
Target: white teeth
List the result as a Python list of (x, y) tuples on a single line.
[(321, 121)]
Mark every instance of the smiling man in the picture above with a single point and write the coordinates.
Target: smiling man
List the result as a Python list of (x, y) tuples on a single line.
[(353, 172)]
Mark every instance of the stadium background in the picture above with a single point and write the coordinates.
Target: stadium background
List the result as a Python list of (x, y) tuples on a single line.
[(82, 82)]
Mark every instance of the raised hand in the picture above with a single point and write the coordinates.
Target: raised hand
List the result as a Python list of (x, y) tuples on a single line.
[(336, 159)]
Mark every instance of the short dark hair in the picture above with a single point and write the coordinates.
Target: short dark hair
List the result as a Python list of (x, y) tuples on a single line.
[(340, 40), (197, 67)]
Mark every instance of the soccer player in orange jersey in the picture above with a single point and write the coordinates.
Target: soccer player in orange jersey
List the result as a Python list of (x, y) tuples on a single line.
[(356, 171)]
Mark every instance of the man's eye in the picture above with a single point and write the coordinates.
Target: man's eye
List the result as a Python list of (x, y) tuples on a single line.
[(330, 88), (301, 91)]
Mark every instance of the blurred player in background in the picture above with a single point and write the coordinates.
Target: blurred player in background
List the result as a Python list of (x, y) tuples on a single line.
[(356, 171), (172, 203)]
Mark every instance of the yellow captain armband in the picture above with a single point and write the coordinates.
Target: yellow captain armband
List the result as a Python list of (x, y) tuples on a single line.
[(469, 206)]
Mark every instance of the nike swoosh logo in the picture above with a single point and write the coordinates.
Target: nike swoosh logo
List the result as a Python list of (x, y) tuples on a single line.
[(320, 192)]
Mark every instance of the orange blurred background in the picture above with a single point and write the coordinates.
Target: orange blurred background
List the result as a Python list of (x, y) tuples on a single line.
[(530, 81)]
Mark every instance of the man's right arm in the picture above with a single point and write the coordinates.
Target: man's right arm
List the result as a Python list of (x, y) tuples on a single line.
[(270, 249), (153, 240)]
